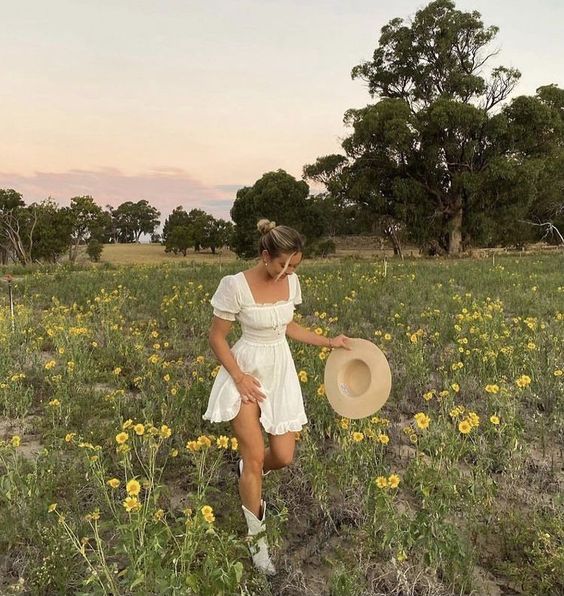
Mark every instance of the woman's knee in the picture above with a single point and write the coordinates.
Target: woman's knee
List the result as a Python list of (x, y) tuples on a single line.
[(284, 459), (254, 464)]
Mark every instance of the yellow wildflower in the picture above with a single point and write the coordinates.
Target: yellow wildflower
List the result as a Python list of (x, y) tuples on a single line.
[(131, 504), (193, 446), (523, 381), (357, 437), (204, 441), (113, 482), (381, 482), (139, 429), (222, 442), (422, 420), (464, 427), (494, 419), (207, 512), (133, 488), (393, 480), (121, 438)]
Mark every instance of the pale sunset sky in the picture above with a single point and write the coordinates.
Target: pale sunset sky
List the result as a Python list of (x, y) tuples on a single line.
[(182, 102)]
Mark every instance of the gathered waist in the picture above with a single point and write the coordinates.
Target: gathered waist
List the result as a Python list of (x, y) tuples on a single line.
[(261, 341)]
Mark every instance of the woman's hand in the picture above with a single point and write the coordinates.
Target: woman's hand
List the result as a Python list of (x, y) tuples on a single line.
[(248, 388), (341, 341)]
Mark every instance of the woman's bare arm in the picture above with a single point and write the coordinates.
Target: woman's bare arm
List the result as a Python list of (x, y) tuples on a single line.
[(217, 337), (306, 336)]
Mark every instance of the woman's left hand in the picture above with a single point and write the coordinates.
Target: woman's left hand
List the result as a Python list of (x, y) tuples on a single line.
[(341, 341)]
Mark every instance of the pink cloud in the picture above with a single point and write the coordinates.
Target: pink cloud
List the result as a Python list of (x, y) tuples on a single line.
[(164, 187)]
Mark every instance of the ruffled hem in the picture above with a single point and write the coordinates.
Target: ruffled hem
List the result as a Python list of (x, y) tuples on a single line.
[(272, 429), (222, 416), (284, 427)]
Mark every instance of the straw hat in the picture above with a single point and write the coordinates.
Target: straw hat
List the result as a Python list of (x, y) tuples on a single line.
[(357, 381)]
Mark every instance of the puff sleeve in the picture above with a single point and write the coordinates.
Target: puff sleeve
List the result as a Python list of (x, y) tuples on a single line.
[(225, 300), (297, 290)]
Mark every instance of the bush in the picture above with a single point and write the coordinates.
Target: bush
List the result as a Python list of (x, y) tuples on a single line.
[(321, 248), (94, 250)]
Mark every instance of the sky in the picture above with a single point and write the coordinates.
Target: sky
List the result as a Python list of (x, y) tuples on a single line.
[(183, 102)]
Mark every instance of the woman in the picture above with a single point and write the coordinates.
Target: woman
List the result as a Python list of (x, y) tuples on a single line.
[(257, 383)]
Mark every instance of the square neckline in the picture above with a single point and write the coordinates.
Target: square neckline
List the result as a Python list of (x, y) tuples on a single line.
[(255, 303)]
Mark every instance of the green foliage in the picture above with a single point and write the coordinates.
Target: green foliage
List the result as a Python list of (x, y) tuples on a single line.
[(129, 220), (432, 157), (321, 248), (87, 220), (51, 233), (279, 197), (179, 239), (94, 249), (532, 550), (196, 229)]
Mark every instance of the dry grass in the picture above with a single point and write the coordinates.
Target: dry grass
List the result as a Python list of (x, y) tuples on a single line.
[(362, 247), (126, 254)]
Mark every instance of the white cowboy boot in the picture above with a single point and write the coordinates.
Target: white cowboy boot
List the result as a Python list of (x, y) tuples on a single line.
[(258, 546)]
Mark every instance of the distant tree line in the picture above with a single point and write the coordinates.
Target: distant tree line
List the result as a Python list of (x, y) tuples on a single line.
[(44, 231)]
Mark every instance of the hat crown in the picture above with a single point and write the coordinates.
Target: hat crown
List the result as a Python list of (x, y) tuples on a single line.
[(354, 378), (357, 381)]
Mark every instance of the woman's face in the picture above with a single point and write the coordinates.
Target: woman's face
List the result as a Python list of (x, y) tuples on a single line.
[(282, 265)]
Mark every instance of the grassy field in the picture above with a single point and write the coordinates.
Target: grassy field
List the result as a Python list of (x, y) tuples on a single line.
[(126, 254), (362, 247), (111, 483)]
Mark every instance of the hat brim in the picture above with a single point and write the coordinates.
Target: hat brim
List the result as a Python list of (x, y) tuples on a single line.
[(362, 400)]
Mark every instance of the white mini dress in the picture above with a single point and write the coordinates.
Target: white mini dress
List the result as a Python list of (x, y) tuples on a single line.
[(263, 352)]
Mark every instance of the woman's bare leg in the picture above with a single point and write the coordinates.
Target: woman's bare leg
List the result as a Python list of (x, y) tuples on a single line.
[(281, 451), (246, 427)]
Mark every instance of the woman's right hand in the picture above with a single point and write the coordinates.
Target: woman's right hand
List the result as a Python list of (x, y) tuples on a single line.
[(248, 388)]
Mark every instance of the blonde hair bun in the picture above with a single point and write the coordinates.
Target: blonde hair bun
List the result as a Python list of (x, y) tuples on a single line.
[(265, 225)]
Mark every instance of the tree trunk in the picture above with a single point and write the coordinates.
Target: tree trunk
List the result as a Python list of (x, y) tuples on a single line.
[(455, 233), (389, 231)]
